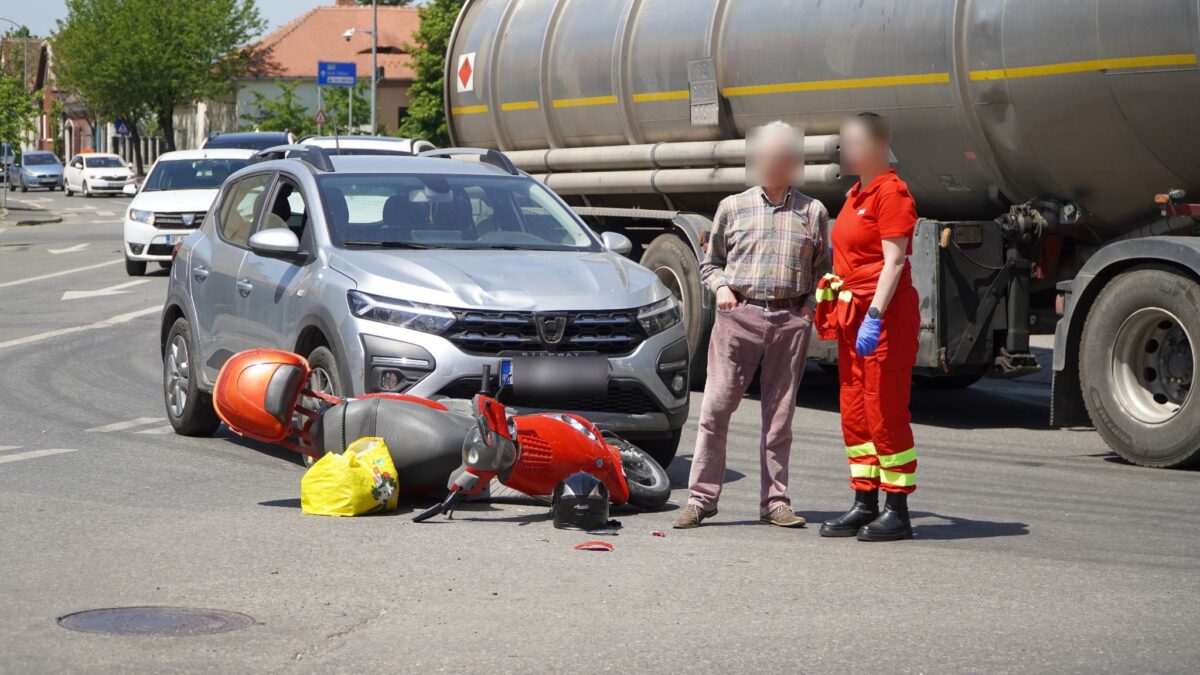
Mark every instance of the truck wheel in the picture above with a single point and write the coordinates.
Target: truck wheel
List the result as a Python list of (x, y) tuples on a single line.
[(674, 263), (1136, 359), (189, 410), (662, 449)]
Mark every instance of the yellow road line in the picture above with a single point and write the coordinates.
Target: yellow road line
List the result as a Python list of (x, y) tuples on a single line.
[(519, 105), (1084, 67), (469, 110), (581, 102), (825, 85), (653, 97)]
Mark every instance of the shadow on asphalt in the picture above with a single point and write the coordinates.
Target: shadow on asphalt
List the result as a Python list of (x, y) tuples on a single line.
[(964, 528)]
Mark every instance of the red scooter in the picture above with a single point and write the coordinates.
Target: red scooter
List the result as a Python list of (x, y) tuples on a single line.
[(262, 394)]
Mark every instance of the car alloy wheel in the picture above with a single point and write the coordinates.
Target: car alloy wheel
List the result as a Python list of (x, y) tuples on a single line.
[(178, 376)]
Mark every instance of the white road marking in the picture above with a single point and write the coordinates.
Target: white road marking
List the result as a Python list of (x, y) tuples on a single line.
[(128, 424), (158, 430), (80, 208), (33, 454), (106, 323), (100, 292), (30, 280), (70, 249), (8, 447)]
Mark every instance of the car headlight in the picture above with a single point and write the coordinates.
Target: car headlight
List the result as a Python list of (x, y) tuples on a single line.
[(146, 217), (414, 315), (660, 316)]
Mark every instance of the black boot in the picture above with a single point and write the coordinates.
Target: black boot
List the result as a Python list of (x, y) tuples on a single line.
[(891, 525), (865, 509)]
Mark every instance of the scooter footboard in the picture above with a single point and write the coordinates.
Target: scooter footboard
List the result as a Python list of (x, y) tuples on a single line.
[(425, 443)]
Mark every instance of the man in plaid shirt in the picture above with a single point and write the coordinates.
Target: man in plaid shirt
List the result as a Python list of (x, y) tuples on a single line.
[(767, 252)]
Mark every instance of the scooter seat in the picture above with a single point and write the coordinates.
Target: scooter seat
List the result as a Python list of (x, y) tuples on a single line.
[(425, 443)]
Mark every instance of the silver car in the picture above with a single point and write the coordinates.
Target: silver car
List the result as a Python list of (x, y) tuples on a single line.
[(411, 274)]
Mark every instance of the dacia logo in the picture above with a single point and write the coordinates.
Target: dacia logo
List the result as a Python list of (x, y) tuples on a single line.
[(188, 219), (551, 328)]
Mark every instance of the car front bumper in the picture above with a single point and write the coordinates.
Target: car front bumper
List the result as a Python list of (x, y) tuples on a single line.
[(108, 186), (146, 242)]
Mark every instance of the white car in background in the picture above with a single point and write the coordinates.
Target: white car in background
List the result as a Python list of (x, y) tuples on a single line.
[(95, 174), (173, 202)]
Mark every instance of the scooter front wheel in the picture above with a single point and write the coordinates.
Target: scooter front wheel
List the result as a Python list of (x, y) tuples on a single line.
[(649, 485)]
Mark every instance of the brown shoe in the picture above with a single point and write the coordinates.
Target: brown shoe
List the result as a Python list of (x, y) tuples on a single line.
[(692, 516), (783, 516)]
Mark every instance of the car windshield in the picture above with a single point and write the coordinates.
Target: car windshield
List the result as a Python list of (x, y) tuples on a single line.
[(191, 174), (38, 159), (104, 163), (456, 212)]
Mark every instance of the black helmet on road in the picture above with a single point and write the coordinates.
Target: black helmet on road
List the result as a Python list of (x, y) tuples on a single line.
[(580, 503)]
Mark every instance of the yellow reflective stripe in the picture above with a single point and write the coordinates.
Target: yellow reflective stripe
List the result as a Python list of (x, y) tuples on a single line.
[(826, 85), (860, 450), (588, 100), (864, 471), (896, 478), (824, 295), (512, 106), (652, 97), (1084, 67), (469, 110), (846, 296), (888, 461)]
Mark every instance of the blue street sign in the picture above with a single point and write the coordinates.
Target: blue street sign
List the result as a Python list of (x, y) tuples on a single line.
[(333, 74), (122, 130)]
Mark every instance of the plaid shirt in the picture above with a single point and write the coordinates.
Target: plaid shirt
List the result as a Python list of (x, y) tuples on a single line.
[(765, 251)]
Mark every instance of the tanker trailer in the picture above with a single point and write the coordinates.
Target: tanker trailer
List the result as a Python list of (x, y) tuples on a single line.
[(1049, 145)]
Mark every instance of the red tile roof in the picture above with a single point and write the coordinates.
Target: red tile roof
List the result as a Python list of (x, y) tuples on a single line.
[(297, 46)]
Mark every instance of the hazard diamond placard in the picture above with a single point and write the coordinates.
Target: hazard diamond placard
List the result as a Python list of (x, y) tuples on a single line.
[(466, 73)]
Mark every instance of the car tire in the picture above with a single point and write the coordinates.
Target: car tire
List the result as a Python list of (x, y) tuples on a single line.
[(676, 265), (135, 268), (24, 187), (164, 265), (84, 190), (662, 449), (1136, 361), (325, 377), (67, 189), (189, 410)]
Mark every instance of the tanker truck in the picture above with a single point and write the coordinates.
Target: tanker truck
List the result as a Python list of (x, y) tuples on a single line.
[(1050, 147)]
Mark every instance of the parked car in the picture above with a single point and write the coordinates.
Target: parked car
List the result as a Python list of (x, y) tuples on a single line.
[(173, 201), (37, 169), (248, 140), (96, 174), (368, 145), (410, 274)]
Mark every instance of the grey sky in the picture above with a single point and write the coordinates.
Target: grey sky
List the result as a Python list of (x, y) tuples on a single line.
[(40, 16)]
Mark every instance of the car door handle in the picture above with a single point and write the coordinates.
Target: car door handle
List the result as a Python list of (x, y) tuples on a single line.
[(244, 287), (199, 273)]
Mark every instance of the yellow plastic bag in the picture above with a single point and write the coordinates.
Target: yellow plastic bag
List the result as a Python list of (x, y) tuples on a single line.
[(360, 480)]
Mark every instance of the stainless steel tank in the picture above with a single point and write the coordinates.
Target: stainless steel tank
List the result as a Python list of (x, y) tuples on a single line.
[(1096, 101)]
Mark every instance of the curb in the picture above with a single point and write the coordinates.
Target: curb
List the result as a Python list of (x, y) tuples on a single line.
[(32, 221)]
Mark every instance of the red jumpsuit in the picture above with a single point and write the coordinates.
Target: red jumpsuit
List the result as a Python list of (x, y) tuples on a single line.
[(875, 390)]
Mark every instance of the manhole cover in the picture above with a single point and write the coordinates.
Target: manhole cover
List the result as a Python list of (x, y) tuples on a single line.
[(155, 621)]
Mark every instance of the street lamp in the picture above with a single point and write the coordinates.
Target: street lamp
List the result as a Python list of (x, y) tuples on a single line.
[(374, 33)]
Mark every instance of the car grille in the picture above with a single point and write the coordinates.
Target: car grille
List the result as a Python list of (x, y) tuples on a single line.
[(160, 249), (490, 333), (175, 221), (114, 178), (623, 396)]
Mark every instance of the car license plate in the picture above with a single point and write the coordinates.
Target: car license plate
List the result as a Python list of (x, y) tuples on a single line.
[(555, 374), (173, 239)]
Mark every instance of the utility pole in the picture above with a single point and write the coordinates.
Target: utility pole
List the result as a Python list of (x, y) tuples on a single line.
[(374, 60)]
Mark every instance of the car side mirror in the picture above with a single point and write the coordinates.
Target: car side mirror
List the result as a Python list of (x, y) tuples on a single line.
[(129, 190), (277, 242), (616, 242)]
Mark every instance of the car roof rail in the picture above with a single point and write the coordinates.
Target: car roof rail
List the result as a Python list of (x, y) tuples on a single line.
[(309, 154), (485, 155)]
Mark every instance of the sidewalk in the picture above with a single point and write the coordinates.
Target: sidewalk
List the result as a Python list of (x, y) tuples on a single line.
[(21, 213)]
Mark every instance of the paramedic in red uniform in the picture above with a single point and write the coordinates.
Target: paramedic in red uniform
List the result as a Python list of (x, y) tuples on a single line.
[(870, 305)]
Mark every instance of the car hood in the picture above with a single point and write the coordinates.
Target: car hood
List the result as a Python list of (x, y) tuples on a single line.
[(43, 169), (516, 280), (174, 201)]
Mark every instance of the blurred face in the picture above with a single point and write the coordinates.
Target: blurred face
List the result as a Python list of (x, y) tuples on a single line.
[(860, 152), (775, 158)]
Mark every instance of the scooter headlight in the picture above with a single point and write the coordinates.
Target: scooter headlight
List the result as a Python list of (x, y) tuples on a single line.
[(658, 317), (414, 315)]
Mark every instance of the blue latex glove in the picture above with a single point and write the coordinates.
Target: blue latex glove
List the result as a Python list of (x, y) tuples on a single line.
[(868, 336)]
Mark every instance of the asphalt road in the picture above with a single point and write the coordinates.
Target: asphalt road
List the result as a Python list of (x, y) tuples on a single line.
[(1035, 551)]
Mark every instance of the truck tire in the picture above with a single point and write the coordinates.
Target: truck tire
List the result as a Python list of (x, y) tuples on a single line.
[(672, 260), (1137, 355)]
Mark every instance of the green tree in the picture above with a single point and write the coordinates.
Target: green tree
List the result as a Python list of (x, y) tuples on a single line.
[(19, 46), (426, 114), (18, 111), (285, 112), (148, 56)]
